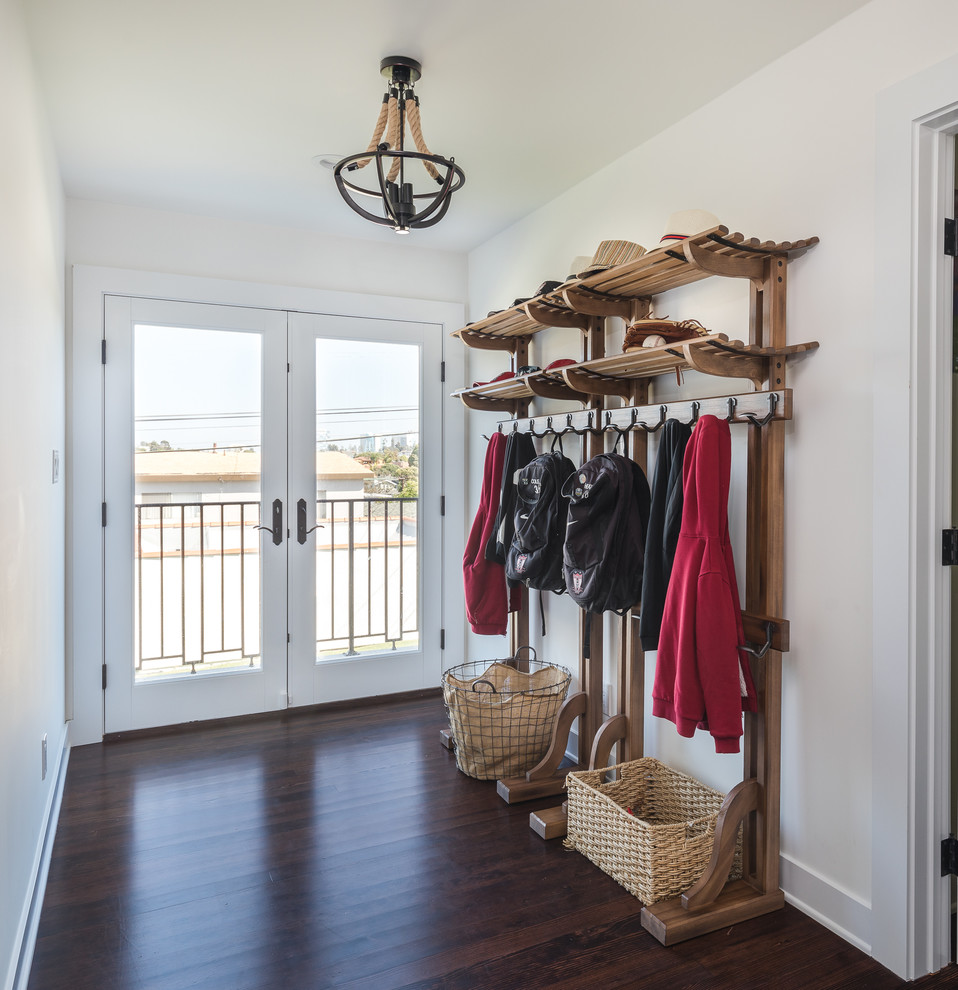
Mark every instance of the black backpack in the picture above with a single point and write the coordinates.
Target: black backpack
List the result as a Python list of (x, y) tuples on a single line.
[(535, 555), (609, 501)]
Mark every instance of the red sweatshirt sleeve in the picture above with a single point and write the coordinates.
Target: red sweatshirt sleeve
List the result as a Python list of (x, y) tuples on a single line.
[(488, 601)]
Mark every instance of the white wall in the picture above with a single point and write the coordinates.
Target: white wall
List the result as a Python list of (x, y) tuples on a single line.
[(788, 153), (115, 236), (31, 506)]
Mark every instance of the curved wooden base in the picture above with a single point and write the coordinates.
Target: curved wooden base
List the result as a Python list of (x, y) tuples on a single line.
[(611, 731), (545, 778), (572, 708), (741, 800)]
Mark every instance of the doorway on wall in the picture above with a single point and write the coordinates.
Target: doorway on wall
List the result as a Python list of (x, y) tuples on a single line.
[(264, 545)]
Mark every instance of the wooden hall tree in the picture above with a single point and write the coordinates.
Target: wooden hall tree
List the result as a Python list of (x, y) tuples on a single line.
[(627, 291)]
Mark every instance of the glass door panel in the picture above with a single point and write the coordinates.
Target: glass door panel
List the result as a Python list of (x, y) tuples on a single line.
[(367, 497), (197, 441)]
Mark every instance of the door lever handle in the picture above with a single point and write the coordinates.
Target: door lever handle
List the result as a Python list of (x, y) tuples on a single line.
[(301, 531), (277, 528)]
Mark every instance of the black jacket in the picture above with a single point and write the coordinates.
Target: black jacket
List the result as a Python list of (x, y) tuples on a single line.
[(665, 521), (520, 450)]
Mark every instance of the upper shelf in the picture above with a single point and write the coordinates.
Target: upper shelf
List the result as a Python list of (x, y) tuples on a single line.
[(610, 293)]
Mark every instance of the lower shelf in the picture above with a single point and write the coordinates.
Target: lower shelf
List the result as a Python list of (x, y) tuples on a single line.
[(670, 923)]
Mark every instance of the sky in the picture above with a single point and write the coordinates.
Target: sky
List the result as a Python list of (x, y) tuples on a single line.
[(196, 387)]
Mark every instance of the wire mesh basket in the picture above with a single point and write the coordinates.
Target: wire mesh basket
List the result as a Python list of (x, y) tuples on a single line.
[(502, 713)]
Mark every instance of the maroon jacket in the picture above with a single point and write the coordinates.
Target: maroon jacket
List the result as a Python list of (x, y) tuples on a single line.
[(487, 603), (701, 678)]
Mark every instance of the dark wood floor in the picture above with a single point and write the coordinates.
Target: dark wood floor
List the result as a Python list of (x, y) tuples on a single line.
[(344, 849)]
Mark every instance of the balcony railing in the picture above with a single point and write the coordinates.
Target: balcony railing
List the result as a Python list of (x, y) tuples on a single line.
[(197, 582)]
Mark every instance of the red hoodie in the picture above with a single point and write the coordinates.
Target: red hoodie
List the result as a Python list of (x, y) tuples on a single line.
[(487, 603), (701, 679)]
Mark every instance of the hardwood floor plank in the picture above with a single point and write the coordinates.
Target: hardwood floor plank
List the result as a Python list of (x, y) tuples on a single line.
[(343, 849)]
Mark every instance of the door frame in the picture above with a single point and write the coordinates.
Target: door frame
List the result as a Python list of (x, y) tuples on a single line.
[(85, 455), (912, 415)]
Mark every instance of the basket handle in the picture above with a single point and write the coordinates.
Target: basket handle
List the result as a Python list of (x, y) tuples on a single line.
[(514, 662), (475, 684)]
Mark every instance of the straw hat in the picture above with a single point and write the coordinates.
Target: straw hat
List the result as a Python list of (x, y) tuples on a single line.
[(685, 224), (607, 255)]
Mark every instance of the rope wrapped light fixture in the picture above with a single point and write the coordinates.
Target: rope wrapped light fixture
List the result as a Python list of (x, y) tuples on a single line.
[(402, 208)]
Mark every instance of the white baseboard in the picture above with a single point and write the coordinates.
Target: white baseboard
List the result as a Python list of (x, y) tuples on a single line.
[(19, 975), (837, 909)]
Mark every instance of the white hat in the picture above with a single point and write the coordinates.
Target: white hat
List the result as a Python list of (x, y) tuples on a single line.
[(684, 224)]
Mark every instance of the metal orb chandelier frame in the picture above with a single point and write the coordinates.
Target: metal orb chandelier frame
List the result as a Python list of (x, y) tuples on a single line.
[(402, 207)]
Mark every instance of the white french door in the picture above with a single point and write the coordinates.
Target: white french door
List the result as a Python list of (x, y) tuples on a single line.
[(263, 477), (361, 622)]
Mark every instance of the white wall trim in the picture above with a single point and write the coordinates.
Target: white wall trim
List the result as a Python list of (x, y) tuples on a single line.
[(909, 929), (836, 908), (85, 493), (22, 959)]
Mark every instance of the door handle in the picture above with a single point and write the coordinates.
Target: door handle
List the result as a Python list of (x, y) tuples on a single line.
[(301, 531), (277, 528)]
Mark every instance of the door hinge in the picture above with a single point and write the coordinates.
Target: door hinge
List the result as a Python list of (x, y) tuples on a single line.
[(103, 676), (442, 639), (949, 856), (103, 513), (442, 371), (442, 505), (951, 238), (949, 547), (103, 351)]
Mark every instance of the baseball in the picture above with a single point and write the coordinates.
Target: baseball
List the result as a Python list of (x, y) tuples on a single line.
[(654, 341)]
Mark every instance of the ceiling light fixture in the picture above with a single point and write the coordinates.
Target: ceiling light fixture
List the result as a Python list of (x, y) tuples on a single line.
[(402, 207)]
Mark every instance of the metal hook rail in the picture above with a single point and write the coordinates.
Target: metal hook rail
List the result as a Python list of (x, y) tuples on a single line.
[(752, 408)]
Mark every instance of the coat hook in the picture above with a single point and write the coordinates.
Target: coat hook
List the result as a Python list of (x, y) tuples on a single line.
[(732, 403), (759, 651), (695, 413), (663, 412), (769, 416)]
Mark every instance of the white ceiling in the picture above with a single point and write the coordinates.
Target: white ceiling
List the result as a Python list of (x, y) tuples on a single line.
[(217, 107)]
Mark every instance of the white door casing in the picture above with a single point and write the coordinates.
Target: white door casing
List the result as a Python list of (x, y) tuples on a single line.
[(91, 287)]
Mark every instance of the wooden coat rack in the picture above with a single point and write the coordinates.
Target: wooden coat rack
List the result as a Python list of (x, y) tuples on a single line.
[(626, 291)]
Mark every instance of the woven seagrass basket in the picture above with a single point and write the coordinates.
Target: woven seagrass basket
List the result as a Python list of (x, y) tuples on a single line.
[(664, 846), (502, 713)]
